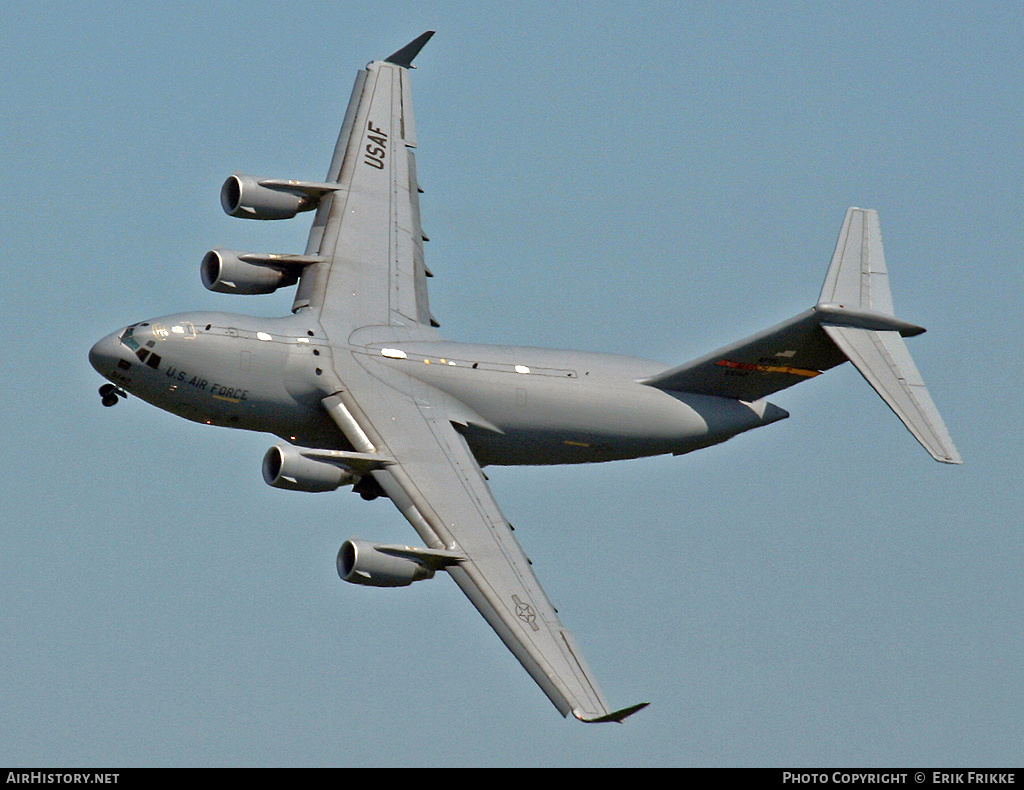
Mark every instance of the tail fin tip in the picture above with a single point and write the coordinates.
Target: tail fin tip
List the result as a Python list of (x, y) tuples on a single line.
[(857, 278)]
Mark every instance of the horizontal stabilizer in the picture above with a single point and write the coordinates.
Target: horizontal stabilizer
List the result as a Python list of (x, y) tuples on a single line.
[(794, 351), (884, 361)]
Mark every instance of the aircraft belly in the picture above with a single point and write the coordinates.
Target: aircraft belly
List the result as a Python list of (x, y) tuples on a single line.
[(553, 420), (215, 389)]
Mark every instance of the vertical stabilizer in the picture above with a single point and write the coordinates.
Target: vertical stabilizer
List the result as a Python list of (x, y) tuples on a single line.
[(857, 278)]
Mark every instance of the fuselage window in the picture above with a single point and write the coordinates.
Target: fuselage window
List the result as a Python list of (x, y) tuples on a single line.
[(184, 329)]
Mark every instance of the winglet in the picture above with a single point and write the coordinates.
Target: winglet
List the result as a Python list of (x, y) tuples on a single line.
[(405, 55), (617, 716)]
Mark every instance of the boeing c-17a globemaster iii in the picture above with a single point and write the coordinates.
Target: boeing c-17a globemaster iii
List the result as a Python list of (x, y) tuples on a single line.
[(366, 393)]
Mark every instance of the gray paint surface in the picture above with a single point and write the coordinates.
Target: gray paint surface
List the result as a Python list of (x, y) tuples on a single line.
[(363, 349), (815, 591)]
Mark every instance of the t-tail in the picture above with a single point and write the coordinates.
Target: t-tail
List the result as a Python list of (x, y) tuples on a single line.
[(857, 284), (853, 320)]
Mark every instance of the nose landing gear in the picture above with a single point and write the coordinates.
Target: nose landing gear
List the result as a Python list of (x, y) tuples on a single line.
[(109, 394)]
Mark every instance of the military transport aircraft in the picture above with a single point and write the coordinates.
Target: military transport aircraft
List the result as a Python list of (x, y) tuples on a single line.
[(365, 391)]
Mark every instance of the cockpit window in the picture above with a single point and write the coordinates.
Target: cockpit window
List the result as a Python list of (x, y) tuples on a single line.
[(128, 340), (144, 354)]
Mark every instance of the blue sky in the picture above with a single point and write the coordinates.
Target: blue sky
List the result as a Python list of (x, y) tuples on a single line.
[(648, 179)]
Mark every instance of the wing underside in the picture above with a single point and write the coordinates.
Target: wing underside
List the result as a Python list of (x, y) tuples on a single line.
[(368, 237), (368, 232), (432, 477)]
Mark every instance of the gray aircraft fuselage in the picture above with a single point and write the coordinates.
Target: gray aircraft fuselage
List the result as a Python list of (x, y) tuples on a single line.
[(515, 405)]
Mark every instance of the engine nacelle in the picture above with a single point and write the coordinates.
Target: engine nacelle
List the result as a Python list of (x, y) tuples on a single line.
[(249, 197), (225, 271), (299, 469), (362, 562)]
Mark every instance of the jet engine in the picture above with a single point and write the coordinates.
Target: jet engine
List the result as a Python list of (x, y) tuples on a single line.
[(302, 469), (234, 272), (249, 197), (376, 565), (362, 562)]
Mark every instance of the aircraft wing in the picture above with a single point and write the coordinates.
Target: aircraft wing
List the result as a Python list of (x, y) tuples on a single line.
[(367, 233), (369, 274), (432, 477)]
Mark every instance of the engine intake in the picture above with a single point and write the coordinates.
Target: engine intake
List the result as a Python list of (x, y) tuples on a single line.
[(300, 469), (228, 272), (249, 197), (376, 565)]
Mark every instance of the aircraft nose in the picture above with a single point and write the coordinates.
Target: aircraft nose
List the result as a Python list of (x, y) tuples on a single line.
[(105, 354)]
